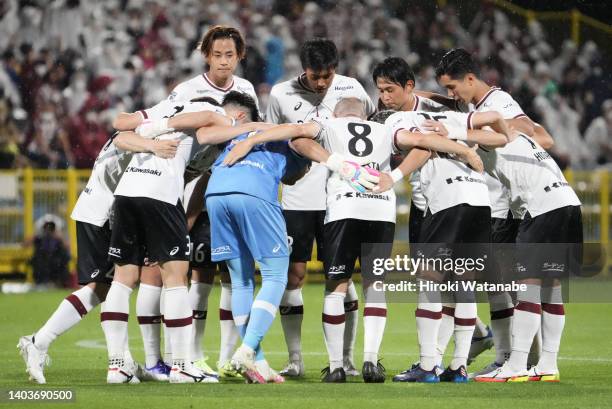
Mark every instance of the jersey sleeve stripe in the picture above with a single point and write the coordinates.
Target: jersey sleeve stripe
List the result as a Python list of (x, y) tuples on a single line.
[(520, 116), (395, 140), (469, 120), (144, 114)]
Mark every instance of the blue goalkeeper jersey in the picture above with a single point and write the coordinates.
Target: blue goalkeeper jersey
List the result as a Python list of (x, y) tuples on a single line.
[(259, 173)]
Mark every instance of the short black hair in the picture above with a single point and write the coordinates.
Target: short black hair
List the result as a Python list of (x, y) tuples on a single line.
[(395, 70), (243, 100), (457, 63), (381, 116), (319, 54), (209, 100)]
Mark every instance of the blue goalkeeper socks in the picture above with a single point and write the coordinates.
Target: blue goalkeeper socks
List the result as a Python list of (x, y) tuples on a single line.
[(274, 282), (247, 316)]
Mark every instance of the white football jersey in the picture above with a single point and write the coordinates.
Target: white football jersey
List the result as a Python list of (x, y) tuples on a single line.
[(150, 176), (293, 102), (502, 102), (531, 176), (427, 105), (366, 143), (95, 201), (445, 181), (201, 86)]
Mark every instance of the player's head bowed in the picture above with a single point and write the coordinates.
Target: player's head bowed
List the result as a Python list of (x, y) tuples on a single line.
[(458, 73), (319, 58), (243, 105)]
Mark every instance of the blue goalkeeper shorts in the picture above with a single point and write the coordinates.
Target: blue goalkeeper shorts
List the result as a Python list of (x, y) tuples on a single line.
[(242, 225)]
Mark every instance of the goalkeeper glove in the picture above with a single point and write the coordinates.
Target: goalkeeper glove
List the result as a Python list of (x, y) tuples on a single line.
[(359, 177)]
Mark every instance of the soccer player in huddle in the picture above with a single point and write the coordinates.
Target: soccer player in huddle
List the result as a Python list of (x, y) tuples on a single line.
[(548, 211), (95, 271), (247, 226), (151, 189), (473, 94), (456, 225), (223, 48), (396, 83), (312, 95)]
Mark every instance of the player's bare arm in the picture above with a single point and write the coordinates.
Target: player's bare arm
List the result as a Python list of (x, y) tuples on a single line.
[(277, 133), (130, 141), (220, 131), (407, 140), (310, 149), (487, 139), (439, 98), (542, 137), (523, 125), (492, 119), (182, 122), (127, 121)]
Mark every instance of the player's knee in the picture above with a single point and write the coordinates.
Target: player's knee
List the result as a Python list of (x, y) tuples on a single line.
[(294, 282), (126, 275), (151, 276), (297, 269), (296, 276), (243, 283), (174, 273)]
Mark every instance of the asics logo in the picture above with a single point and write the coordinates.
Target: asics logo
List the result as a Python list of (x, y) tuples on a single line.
[(174, 251), (276, 248), (298, 106), (95, 273), (199, 315)]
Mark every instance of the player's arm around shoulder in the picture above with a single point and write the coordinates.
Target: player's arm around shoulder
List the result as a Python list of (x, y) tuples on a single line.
[(127, 121), (447, 102), (276, 133), (469, 128), (542, 137), (221, 130), (497, 135), (132, 142), (409, 139)]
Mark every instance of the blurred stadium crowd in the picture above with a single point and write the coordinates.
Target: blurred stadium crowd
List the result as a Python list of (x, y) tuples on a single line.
[(68, 66)]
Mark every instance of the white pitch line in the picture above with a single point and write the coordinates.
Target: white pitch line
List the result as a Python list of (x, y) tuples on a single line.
[(100, 343)]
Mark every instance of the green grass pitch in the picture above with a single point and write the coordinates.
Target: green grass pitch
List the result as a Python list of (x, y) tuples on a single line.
[(586, 366)]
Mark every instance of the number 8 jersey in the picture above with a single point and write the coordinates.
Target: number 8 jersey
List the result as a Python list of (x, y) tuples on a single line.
[(365, 143)]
